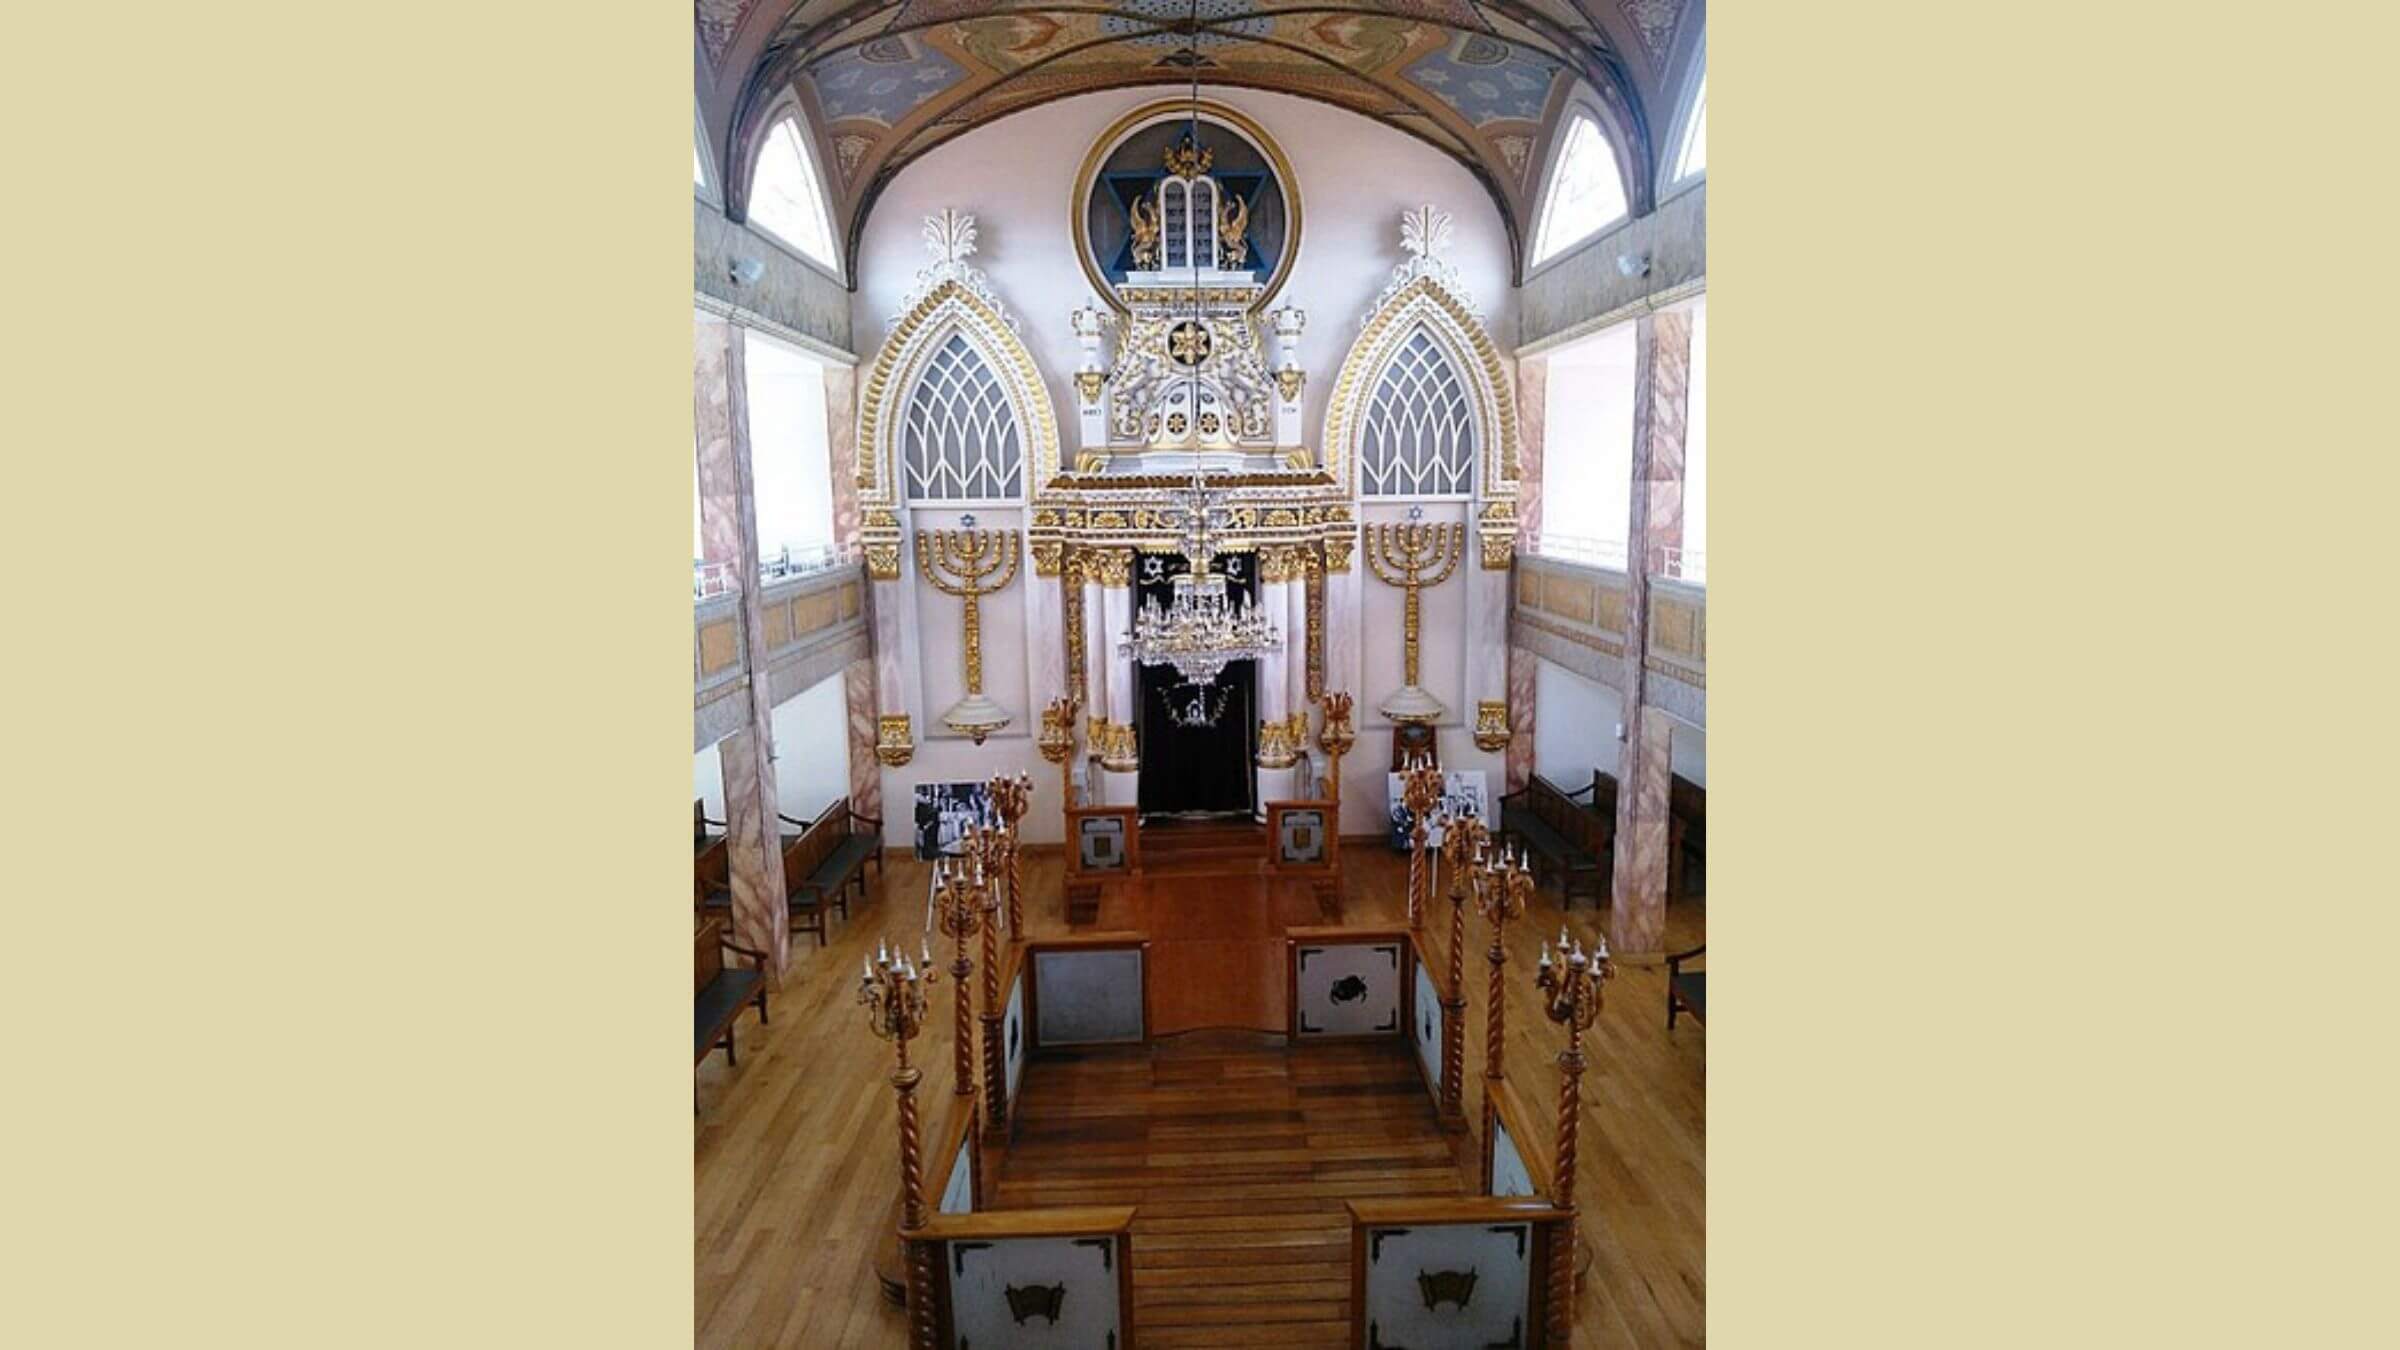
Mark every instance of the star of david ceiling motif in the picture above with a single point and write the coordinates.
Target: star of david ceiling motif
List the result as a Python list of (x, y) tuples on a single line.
[(1483, 81)]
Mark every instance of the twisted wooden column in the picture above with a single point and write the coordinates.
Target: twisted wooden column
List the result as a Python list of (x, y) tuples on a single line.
[(1462, 842), (1011, 797), (892, 990), (1420, 789), (1501, 894), (955, 912), (984, 847), (1572, 998)]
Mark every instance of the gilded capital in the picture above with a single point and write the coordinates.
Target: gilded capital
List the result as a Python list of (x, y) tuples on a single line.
[(892, 742)]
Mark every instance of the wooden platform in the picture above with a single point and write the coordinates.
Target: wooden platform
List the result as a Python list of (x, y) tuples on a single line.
[(1240, 1154), (794, 1161)]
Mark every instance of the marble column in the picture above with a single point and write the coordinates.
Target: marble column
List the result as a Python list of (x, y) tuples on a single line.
[(729, 535), (1662, 374)]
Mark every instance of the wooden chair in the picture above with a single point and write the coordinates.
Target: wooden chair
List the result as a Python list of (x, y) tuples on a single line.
[(1687, 990)]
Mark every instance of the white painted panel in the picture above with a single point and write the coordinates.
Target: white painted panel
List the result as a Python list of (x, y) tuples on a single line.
[(1083, 1271), (1427, 1033), (1087, 998), (1574, 726), (1509, 1174), (1348, 990), (1399, 1260), (812, 749), (958, 1197), (708, 782)]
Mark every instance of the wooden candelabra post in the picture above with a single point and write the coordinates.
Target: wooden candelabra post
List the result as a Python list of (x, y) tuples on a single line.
[(958, 919), (1420, 790), (983, 849), (1010, 799), (1502, 890), (892, 990), (1571, 997), (1462, 842)]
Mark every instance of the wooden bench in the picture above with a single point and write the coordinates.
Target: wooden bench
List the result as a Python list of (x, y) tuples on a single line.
[(1573, 839), (823, 863), (1687, 990), (719, 991)]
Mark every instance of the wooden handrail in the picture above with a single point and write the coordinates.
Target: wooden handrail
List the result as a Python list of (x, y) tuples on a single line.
[(1075, 1221), (1452, 1209)]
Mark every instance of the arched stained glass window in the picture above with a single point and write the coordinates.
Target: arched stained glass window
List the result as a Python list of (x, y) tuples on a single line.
[(1418, 436), (961, 441)]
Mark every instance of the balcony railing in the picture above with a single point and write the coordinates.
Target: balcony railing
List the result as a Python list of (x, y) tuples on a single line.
[(1684, 564), (711, 578), (1581, 548), (796, 560)]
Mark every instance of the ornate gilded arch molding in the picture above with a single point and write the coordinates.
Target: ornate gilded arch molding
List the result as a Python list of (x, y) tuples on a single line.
[(950, 297), (1426, 295)]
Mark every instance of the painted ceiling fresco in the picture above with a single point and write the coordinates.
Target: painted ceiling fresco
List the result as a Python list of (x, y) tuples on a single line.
[(1484, 81)]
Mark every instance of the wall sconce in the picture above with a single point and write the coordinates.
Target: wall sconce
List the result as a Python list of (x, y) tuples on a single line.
[(1634, 264), (745, 271)]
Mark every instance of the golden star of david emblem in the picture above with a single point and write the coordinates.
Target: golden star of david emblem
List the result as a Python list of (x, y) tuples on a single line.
[(1188, 343)]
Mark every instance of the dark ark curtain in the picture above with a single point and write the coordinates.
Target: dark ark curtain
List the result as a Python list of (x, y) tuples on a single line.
[(1203, 769)]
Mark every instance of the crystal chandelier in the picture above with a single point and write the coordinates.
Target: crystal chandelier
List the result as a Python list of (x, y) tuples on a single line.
[(1203, 627)]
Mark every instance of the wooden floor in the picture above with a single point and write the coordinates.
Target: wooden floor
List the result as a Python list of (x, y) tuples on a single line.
[(795, 1156), (1239, 1155)]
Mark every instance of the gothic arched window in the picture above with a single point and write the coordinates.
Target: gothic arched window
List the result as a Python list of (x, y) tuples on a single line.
[(959, 435), (1417, 438)]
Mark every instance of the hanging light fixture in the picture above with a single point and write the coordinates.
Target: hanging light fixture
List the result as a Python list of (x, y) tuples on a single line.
[(1203, 627)]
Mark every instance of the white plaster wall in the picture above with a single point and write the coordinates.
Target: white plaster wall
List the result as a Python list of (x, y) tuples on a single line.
[(708, 782), (812, 749), (1587, 456), (1574, 726), (1017, 175), (788, 445), (1689, 747)]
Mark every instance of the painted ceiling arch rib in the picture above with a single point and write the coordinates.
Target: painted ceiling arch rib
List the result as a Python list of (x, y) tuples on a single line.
[(1484, 81)]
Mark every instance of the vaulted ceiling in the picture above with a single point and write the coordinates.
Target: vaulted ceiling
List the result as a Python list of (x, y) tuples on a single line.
[(1483, 81)]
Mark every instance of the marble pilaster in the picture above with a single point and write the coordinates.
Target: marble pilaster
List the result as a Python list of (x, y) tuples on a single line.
[(858, 702), (841, 439), (1533, 393), (1521, 714), (729, 534), (1662, 372), (1637, 912)]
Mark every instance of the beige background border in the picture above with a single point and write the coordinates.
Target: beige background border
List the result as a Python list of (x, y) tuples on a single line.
[(346, 861)]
